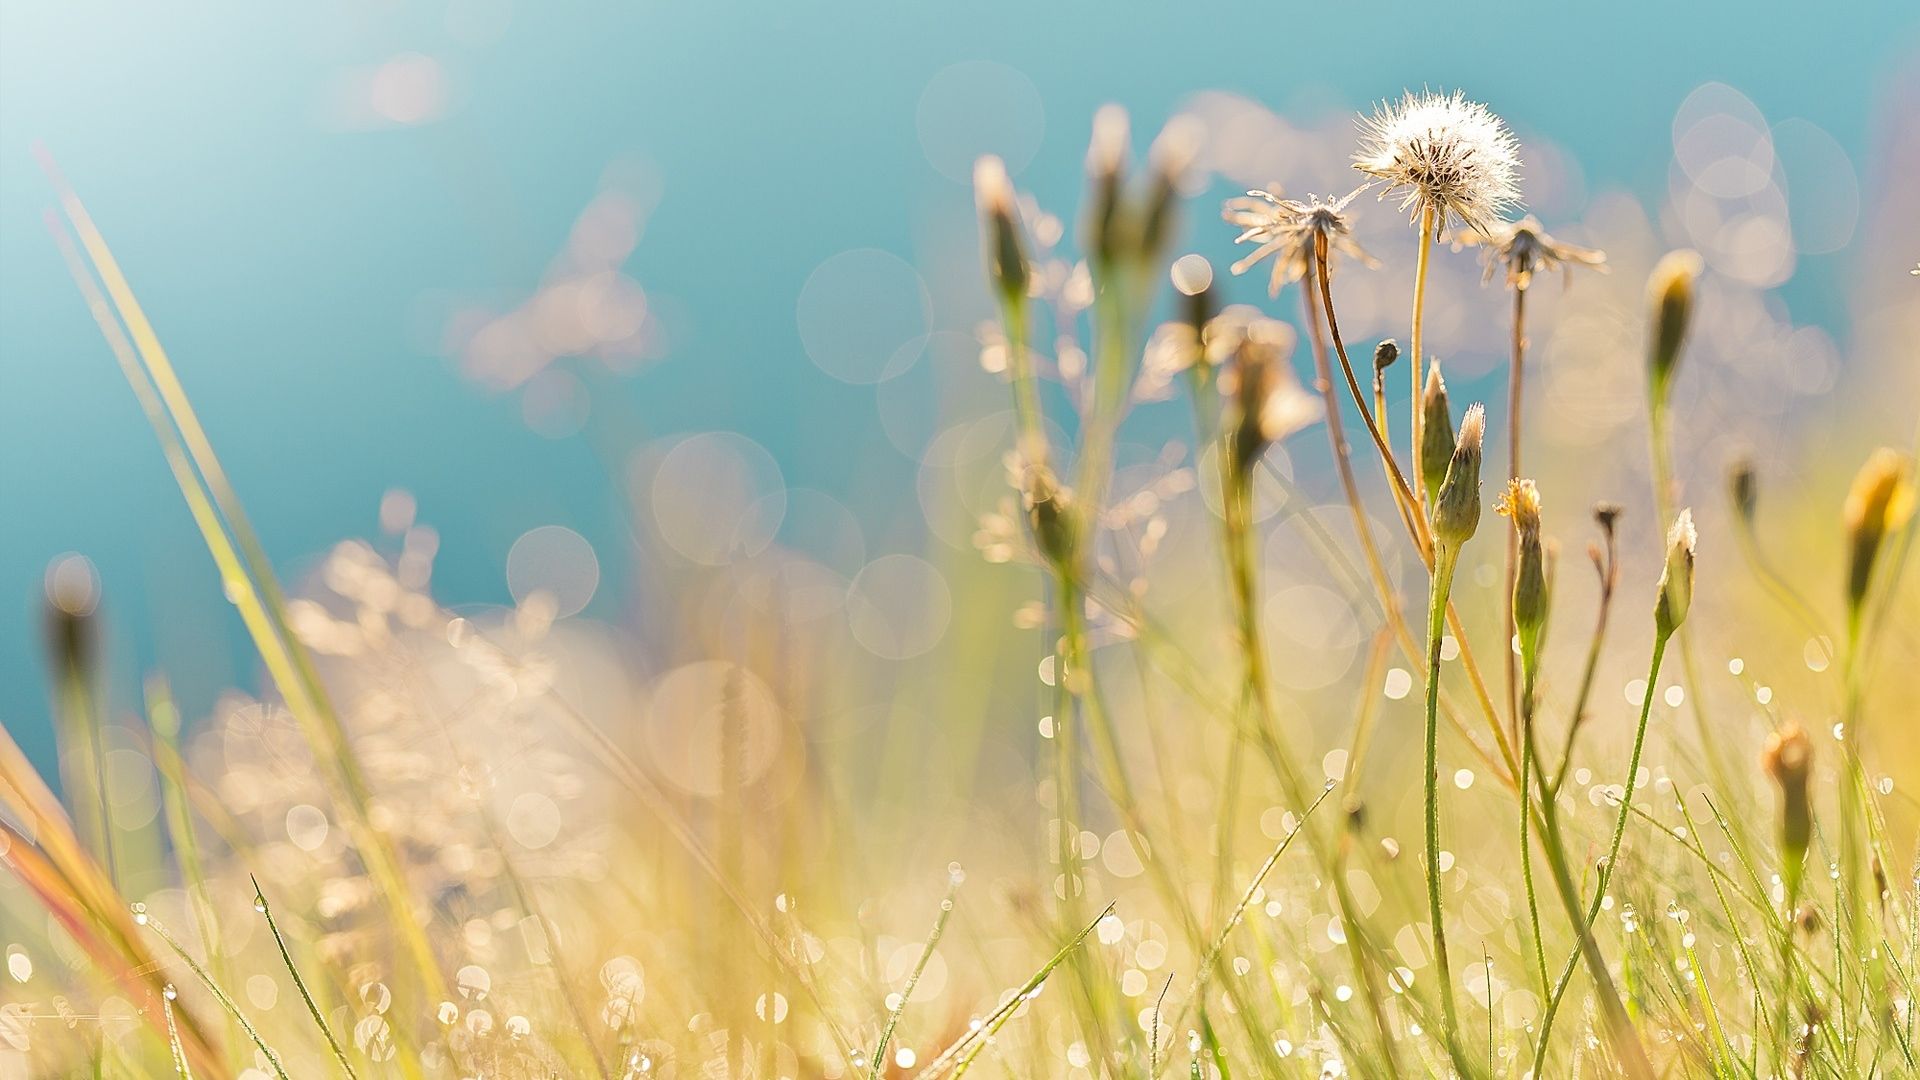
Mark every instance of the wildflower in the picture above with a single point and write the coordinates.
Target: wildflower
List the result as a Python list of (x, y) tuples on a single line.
[(1456, 508), (1521, 502), (1006, 251), (1436, 432), (1524, 248), (1288, 231), (1670, 292), (1676, 580), (1269, 402), (1880, 502), (1788, 758), (1455, 158)]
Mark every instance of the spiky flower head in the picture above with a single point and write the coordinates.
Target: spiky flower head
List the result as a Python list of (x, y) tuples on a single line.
[(1436, 432), (1521, 503), (1676, 579), (1288, 231), (1670, 292), (1788, 759), (1879, 503), (1524, 248), (1006, 251), (1456, 508), (1445, 154)]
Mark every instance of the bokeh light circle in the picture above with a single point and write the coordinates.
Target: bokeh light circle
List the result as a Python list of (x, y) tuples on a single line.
[(718, 497), (557, 561), (898, 606), (864, 316), (979, 107)]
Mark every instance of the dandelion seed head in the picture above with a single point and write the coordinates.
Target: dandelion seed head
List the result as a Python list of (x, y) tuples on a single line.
[(1451, 156), (1289, 231), (1524, 248)]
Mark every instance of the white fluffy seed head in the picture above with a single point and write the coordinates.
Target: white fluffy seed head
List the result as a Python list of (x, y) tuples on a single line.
[(1450, 155)]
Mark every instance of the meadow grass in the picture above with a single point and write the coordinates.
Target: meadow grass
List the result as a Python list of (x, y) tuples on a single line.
[(480, 866)]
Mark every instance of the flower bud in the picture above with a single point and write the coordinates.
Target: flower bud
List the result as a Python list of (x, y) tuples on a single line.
[(1670, 293), (1268, 402), (1049, 514), (1676, 580), (1436, 433), (1743, 489), (1006, 252), (1879, 503), (1384, 354), (1789, 760), (1530, 581), (1172, 153), (1106, 164), (1456, 508)]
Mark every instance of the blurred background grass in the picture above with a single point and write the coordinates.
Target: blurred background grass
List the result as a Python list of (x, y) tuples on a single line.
[(309, 198)]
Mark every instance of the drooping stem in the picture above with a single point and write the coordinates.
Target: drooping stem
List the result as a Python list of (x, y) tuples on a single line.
[(1418, 367), (1445, 558)]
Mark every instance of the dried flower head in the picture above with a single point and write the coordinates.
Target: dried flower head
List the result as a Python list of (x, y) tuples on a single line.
[(1288, 231), (1456, 509), (1006, 251), (1676, 579), (1267, 401), (1452, 156), (1670, 292), (1879, 503), (1524, 248)]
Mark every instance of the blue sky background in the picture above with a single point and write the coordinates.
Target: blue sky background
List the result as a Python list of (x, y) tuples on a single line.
[(285, 261)]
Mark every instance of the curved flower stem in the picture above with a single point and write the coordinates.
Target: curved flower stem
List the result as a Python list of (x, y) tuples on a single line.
[(1416, 525), (1626, 1043), (1427, 228), (1442, 584)]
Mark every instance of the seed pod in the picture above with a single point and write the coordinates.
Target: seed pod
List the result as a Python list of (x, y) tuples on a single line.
[(1006, 251), (1456, 508), (1670, 294), (1676, 579), (1789, 760), (1436, 439), (1879, 503)]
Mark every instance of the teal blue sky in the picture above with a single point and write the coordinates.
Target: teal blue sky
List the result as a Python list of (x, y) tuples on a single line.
[(284, 260)]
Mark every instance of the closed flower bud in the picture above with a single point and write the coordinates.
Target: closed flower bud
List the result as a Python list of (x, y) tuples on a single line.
[(1384, 354), (1879, 504), (1530, 581), (1106, 164), (1456, 509), (1173, 152), (1049, 514), (1789, 760), (1436, 438), (1268, 402), (1676, 580), (1006, 251), (1670, 293), (1743, 489)]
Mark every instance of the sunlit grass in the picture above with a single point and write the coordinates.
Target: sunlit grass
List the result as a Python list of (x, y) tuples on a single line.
[(496, 844)]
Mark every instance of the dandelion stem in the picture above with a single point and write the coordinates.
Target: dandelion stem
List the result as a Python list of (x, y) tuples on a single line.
[(1427, 227), (1515, 372), (1445, 558)]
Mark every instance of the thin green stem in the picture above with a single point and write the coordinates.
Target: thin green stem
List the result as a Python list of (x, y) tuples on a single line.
[(300, 984), (1418, 367), (1445, 557)]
